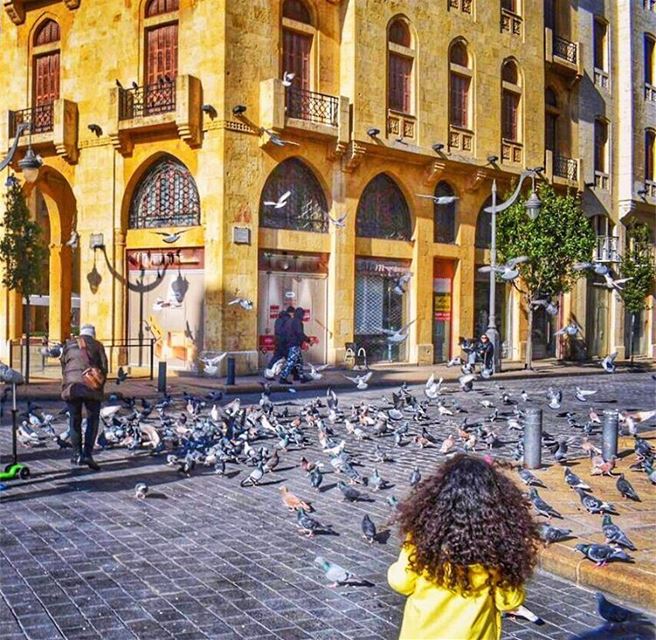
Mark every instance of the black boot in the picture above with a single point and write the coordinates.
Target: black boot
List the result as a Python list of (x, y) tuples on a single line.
[(90, 462)]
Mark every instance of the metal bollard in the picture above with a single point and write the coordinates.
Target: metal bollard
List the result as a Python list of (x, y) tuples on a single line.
[(161, 377), (230, 376), (609, 435), (533, 438)]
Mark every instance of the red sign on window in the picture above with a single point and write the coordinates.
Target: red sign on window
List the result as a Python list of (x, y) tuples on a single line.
[(267, 343), (306, 315), (274, 310)]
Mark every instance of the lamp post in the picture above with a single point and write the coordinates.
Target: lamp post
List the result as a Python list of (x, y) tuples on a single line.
[(31, 163), (532, 206)]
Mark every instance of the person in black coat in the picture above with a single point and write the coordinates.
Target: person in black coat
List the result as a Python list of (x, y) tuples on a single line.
[(280, 332), (295, 339), (486, 352)]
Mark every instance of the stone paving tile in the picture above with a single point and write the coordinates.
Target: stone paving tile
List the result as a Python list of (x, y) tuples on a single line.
[(81, 558)]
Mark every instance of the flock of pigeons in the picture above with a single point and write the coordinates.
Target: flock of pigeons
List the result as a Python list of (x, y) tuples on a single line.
[(357, 443)]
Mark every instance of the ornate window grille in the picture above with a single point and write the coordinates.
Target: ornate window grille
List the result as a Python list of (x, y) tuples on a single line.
[(312, 106), (166, 197), (563, 48), (444, 215), (41, 119), (306, 208), (151, 99), (565, 168), (383, 211), (484, 227)]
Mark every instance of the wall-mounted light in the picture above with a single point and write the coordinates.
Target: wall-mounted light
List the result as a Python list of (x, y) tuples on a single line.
[(492, 159), (239, 109), (209, 110), (438, 146), (642, 192), (96, 241), (95, 128), (373, 132)]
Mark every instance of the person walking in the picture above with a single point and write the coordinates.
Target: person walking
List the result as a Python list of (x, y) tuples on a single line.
[(84, 373), (281, 333), (470, 546), (295, 339)]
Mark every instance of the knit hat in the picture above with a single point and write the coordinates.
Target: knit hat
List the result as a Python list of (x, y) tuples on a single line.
[(88, 330)]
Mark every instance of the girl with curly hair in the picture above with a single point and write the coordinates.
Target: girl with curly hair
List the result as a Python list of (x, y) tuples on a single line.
[(470, 545)]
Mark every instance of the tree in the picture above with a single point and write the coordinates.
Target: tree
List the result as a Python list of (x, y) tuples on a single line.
[(22, 252), (558, 238), (637, 263)]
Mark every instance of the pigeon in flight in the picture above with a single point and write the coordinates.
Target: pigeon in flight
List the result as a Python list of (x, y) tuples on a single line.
[(549, 307), (170, 238), (244, 303), (275, 139), (74, 241), (608, 363), (287, 78), (400, 286), (438, 199), (508, 271), (399, 335), (340, 222), (211, 365), (611, 284), (570, 329), (582, 394), (361, 381), (599, 268), (280, 202)]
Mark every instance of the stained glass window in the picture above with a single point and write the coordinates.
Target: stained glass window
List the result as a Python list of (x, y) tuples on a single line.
[(383, 211), (157, 7), (166, 197), (47, 32), (445, 215), (305, 208), (296, 10)]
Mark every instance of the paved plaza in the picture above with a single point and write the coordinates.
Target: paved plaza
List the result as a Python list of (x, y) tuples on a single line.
[(203, 557)]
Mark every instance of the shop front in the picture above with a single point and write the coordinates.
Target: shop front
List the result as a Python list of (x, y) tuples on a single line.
[(502, 311), (166, 303), (287, 279), (443, 272), (380, 304)]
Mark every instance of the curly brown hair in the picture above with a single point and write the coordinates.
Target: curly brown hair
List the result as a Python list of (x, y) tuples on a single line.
[(469, 513)]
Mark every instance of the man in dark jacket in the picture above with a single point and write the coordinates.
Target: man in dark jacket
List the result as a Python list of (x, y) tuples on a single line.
[(79, 354), (486, 352), (280, 331), (295, 339)]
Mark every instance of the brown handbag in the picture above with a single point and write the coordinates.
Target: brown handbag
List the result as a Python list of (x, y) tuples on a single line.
[(93, 377)]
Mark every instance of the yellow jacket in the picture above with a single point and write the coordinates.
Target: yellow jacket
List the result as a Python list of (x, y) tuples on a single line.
[(435, 613)]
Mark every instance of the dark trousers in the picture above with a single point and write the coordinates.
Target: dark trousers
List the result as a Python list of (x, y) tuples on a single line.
[(74, 407), (278, 354)]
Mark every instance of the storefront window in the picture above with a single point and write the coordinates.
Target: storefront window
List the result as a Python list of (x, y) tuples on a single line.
[(482, 308), (378, 306)]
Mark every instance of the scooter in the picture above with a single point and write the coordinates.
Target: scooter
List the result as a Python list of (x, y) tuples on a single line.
[(15, 469)]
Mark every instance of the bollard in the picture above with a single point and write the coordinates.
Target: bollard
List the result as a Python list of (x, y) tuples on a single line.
[(533, 438), (161, 377), (609, 435), (230, 376)]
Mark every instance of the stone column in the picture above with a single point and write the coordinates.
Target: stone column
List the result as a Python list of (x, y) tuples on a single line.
[(59, 312), (421, 287)]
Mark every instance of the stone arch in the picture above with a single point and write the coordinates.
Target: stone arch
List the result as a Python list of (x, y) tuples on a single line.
[(445, 216), (383, 211), (306, 207)]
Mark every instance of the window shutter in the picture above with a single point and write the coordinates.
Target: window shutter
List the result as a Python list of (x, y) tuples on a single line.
[(162, 53), (400, 83), (46, 78), (459, 101), (296, 57), (509, 116)]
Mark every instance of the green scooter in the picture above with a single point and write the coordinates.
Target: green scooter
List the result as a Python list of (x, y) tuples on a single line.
[(15, 469)]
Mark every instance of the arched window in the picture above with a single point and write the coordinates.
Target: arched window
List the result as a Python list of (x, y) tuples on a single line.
[(650, 155), (511, 94), (161, 55), (484, 227), (166, 197), (444, 217), (601, 161), (45, 71), (400, 67), (305, 209), (650, 59), (460, 78), (551, 120), (383, 211), (297, 40)]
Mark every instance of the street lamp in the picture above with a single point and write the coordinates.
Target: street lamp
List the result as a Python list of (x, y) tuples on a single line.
[(31, 163), (532, 206)]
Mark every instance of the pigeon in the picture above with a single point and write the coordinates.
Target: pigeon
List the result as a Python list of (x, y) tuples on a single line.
[(626, 488), (351, 494), (608, 363), (211, 365), (570, 329), (291, 501), (397, 336), (275, 139), (467, 382), (551, 534), (254, 477), (432, 388), (170, 238), (574, 481), (140, 490), (74, 240), (529, 478), (121, 375), (593, 504), (614, 534), (599, 268), (542, 507), (401, 284), (368, 529), (602, 554), (287, 78), (611, 283), (340, 222), (440, 200), (316, 477), (243, 303), (280, 202), (361, 381), (508, 271), (610, 612), (415, 477), (582, 394), (549, 307), (334, 573), (527, 614), (555, 398), (315, 372)]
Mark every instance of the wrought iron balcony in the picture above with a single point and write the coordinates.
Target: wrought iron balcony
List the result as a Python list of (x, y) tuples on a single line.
[(607, 249), (564, 49), (148, 100), (567, 168), (312, 106), (41, 119), (650, 92)]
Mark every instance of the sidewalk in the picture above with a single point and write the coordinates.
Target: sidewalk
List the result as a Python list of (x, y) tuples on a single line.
[(385, 375)]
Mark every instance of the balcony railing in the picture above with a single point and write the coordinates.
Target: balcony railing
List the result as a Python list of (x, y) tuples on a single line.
[(650, 188), (400, 124), (602, 180), (564, 49), (464, 5), (607, 249), (461, 139), (312, 106), (511, 22), (148, 100), (511, 151), (601, 78), (567, 168), (650, 92), (41, 119)]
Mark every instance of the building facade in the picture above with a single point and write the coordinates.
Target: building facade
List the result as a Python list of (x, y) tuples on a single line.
[(197, 172)]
